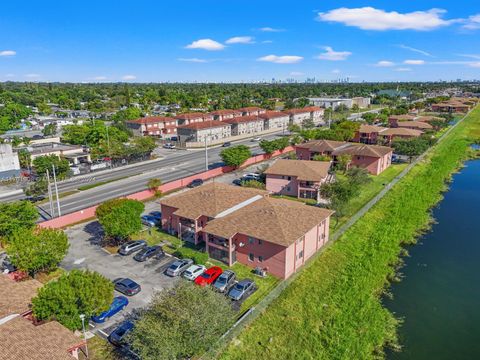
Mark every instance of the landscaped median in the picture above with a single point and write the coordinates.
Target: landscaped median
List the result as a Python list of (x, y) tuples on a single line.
[(333, 309)]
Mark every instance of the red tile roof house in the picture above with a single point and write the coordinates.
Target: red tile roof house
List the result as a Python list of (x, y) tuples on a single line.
[(191, 118), (388, 135), (224, 114), (245, 125), (394, 119), (277, 235), (251, 110), (374, 158), (316, 114), (298, 178), (415, 125), (275, 120), (368, 134), (23, 339), (153, 126), (298, 116), (450, 106), (204, 131)]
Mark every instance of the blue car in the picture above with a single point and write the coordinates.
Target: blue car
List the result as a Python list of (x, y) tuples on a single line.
[(157, 215), (117, 336), (118, 304), (148, 220)]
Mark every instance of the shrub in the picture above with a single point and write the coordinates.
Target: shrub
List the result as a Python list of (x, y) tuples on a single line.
[(189, 253)]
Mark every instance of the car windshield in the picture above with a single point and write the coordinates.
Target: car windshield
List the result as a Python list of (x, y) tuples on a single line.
[(222, 280), (174, 266), (240, 287), (121, 331), (206, 276)]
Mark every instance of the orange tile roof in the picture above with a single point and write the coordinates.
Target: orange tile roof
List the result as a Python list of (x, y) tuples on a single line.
[(415, 124), (401, 132), (368, 129), (151, 120), (243, 119), (272, 115), (189, 116)]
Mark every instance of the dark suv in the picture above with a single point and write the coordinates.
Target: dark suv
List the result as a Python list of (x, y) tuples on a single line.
[(195, 183), (149, 252)]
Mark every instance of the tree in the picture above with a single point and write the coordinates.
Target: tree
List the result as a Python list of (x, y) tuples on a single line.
[(413, 146), (37, 250), (120, 218), (154, 186), (254, 184), (358, 176), (142, 145), (267, 146), (74, 293), (17, 216), (339, 193), (343, 161), (130, 113), (24, 158), (181, 323), (38, 187), (320, 157), (50, 129), (42, 163), (236, 156)]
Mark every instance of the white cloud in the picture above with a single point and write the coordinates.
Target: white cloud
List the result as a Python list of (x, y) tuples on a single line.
[(333, 55), (297, 73), (128, 77), (475, 64), (285, 59), (9, 75), (194, 60), (100, 78), (32, 76), (336, 71), (473, 22), (369, 18), (385, 63), (206, 44), (403, 69), (472, 56), (240, 40), (269, 29), (8, 53), (267, 41), (423, 52), (414, 62)]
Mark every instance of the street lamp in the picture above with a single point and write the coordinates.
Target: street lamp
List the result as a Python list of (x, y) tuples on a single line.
[(82, 317)]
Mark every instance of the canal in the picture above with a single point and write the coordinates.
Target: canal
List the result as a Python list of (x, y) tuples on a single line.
[(439, 296)]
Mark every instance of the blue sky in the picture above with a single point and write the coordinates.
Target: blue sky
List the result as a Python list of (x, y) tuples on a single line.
[(158, 41)]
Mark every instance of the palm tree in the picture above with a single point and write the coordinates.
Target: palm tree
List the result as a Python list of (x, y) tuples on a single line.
[(154, 186)]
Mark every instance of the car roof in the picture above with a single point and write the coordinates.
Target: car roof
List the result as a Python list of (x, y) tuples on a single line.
[(245, 281)]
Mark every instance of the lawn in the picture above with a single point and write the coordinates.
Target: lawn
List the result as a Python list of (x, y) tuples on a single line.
[(154, 236), (100, 349), (333, 309)]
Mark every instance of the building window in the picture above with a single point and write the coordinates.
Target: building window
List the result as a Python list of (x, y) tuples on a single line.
[(260, 259), (289, 178), (260, 242), (288, 188), (251, 257), (251, 240), (300, 254)]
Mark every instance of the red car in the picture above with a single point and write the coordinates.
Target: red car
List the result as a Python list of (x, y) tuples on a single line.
[(209, 276)]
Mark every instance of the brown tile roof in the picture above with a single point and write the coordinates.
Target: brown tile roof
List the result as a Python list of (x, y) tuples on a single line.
[(405, 117), (204, 125), (414, 124), (225, 112), (194, 115), (272, 114), (321, 145), (429, 118), (401, 132), (278, 221), (313, 108), (20, 339), (16, 297), (375, 151), (368, 129), (210, 199), (304, 170), (151, 120), (297, 111), (243, 119)]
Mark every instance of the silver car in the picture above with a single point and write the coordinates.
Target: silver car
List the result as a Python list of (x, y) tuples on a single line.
[(241, 289), (193, 272), (178, 267), (132, 246), (224, 281)]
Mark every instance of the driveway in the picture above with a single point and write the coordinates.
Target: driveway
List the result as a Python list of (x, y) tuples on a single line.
[(85, 253)]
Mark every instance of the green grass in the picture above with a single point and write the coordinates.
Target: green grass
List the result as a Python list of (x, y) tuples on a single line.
[(100, 349), (333, 309), (52, 275), (156, 236), (293, 198)]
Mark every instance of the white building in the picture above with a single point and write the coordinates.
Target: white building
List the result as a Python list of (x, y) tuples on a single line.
[(245, 125), (210, 130), (331, 102), (9, 164), (361, 102), (275, 120)]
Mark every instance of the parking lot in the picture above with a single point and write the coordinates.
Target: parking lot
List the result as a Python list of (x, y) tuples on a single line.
[(85, 253)]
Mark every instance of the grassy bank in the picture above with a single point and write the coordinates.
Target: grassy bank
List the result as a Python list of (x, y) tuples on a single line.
[(333, 309)]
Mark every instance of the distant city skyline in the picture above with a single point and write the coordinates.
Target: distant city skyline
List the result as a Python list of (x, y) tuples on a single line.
[(235, 41)]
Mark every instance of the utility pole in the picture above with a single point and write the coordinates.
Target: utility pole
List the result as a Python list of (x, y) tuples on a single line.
[(82, 317), (50, 200), (206, 154), (56, 190), (108, 144)]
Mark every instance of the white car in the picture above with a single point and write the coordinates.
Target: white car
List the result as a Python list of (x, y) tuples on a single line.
[(250, 176), (169, 146), (193, 272), (256, 138)]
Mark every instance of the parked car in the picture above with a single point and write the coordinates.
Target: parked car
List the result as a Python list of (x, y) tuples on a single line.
[(251, 176), (240, 289), (209, 276), (256, 138), (117, 336), (178, 267), (169, 146), (119, 303), (238, 182), (132, 246), (7, 266), (224, 281), (227, 144), (148, 220), (157, 215), (127, 286), (195, 183), (147, 253), (193, 272)]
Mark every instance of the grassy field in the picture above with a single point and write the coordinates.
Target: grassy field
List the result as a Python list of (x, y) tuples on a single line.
[(333, 309)]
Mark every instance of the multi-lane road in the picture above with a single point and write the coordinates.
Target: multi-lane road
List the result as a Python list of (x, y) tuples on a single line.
[(176, 164)]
